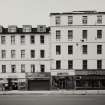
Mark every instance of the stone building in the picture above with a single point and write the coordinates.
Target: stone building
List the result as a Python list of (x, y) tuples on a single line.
[(70, 54), (78, 49), (25, 57)]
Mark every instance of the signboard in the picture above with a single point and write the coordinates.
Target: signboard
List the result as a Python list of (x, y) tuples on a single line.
[(38, 75), (90, 72), (62, 74)]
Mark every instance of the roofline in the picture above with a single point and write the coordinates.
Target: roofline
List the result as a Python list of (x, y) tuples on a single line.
[(78, 12)]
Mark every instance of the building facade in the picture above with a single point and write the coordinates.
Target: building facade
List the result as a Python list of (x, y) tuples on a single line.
[(78, 49), (25, 57), (70, 54)]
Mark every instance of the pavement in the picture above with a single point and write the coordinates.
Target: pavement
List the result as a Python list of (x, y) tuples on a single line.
[(54, 92)]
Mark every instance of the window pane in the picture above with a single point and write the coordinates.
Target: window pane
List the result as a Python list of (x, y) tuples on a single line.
[(42, 53), (70, 49), (99, 19), (32, 53), (22, 53), (23, 68), (84, 49), (3, 68), (58, 50), (3, 53), (57, 20), (99, 64), (84, 64), (58, 34), (42, 68), (22, 39), (42, 39), (32, 39), (84, 19), (32, 68), (12, 39), (99, 49), (70, 64), (3, 39), (12, 53), (70, 20), (84, 34), (13, 68), (58, 64), (70, 34), (99, 33)]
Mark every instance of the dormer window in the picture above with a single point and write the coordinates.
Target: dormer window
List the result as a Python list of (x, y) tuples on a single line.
[(1, 29), (12, 28), (41, 28), (27, 28)]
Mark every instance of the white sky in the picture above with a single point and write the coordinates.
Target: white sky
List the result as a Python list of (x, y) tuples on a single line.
[(36, 12)]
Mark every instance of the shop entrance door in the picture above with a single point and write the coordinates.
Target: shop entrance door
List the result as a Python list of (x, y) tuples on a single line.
[(62, 84)]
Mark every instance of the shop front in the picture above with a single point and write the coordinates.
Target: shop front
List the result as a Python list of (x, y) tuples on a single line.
[(38, 81), (90, 79), (12, 81), (62, 80)]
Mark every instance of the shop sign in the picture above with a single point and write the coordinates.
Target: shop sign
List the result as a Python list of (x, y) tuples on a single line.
[(37, 75), (90, 72), (62, 74), (12, 76)]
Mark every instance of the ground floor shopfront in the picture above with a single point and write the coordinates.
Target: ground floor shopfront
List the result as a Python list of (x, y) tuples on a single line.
[(83, 79), (90, 79), (38, 81), (62, 79), (12, 81)]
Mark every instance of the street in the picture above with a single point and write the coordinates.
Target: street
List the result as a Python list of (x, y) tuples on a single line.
[(52, 99)]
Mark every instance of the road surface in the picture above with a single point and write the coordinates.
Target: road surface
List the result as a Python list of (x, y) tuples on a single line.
[(52, 99)]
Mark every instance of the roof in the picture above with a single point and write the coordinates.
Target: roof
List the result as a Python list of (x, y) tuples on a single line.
[(20, 31), (77, 12)]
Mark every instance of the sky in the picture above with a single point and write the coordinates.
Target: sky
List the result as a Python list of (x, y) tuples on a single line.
[(36, 12)]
